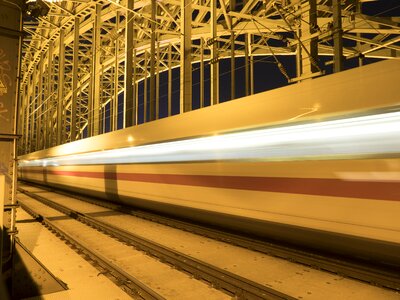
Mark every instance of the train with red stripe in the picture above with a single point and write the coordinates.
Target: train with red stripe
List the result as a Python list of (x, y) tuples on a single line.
[(313, 164)]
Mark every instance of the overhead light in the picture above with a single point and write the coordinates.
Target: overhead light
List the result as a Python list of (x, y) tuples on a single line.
[(37, 8)]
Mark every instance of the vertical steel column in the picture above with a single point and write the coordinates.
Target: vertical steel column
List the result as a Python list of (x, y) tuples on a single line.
[(137, 101), (214, 54), (11, 46), (81, 114), (60, 102), (49, 123), (135, 87), (102, 108), (114, 103), (359, 11), (45, 101), (158, 81), (27, 116), (308, 48), (304, 63), (299, 52), (39, 131), (129, 112), (186, 59), (28, 100), (75, 70), (251, 65), (201, 72), (96, 74), (152, 102), (25, 113), (169, 79), (145, 119), (21, 118), (32, 111), (246, 64), (233, 68), (103, 119), (90, 101), (313, 44), (104, 96), (21, 126), (337, 36), (13, 229)]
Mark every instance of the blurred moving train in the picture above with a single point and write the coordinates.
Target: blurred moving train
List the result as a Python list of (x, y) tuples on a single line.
[(315, 164)]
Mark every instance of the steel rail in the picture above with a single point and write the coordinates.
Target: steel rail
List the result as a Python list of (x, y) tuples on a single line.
[(240, 287), (134, 286), (375, 275), (357, 270)]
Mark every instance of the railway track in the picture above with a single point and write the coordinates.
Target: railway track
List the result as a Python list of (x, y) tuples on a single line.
[(126, 281), (233, 284), (374, 274)]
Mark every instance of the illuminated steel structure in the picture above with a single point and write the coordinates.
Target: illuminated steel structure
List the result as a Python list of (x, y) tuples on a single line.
[(322, 171), (96, 66)]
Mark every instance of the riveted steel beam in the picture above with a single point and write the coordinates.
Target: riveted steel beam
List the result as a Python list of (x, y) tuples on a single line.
[(186, 57), (75, 70), (129, 112), (60, 89)]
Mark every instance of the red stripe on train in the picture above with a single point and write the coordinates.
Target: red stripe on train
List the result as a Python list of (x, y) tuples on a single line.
[(307, 186)]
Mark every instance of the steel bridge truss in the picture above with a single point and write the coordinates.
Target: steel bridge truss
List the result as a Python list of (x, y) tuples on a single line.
[(95, 66)]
